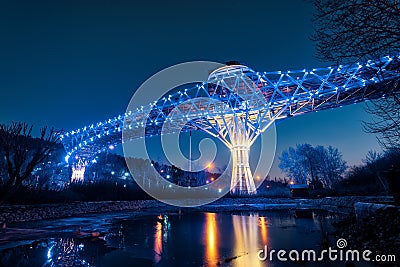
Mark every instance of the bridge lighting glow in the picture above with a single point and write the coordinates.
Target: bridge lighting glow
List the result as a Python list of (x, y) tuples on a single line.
[(49, 252), (282, 90), (169, 185)]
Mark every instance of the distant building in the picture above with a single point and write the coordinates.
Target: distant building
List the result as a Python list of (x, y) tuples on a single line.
[(78, 171), (299, 190)]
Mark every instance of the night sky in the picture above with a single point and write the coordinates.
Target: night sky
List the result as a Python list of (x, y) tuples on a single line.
[(67, 64)]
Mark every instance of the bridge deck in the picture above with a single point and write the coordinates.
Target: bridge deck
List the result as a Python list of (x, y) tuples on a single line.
[(260, 96)]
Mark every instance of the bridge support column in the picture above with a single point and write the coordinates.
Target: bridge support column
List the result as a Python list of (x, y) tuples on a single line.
[(235, 132), (78, 171), (242, 182)]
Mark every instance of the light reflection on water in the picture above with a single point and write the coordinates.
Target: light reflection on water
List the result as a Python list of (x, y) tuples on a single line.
[(211, 235), (158, 243), (193, 239), (248, 240)]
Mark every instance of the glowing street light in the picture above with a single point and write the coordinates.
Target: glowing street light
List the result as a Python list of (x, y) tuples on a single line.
[(111, 147)]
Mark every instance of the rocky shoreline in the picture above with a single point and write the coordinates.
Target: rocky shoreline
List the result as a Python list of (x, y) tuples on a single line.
[(374, 227), (25, 213)]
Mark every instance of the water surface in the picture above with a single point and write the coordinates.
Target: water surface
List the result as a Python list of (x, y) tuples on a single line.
[(191, 239)]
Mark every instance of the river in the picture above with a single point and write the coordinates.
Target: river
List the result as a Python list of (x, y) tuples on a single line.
[(174, 239)]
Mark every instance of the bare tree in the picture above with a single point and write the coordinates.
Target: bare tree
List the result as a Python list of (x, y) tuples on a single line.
[(373, 162), (331, 165), (347, 31), (350, 30), (294, 165), (22, 153), (385, 122), (318, 165)]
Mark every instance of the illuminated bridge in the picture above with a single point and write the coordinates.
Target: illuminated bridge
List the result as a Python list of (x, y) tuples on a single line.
[(236, 105)]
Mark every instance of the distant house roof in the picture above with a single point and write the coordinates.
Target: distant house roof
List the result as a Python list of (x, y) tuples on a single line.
[(298, 186)]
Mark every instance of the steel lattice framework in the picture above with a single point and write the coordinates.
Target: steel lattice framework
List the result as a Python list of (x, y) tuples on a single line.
[(237, 104)]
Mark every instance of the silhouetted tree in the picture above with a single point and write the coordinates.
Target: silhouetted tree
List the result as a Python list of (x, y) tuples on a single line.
[(316, 165), (352, 30), (22, 153), (293, 165), (385, 122), (379, 174), (331, 166), (374, 163)]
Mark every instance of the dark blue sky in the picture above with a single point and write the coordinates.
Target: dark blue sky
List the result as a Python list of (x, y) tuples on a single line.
[(70, 63)]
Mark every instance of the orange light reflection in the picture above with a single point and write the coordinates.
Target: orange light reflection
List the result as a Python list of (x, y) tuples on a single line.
[(263, 226), (211, 239), (158, 242)]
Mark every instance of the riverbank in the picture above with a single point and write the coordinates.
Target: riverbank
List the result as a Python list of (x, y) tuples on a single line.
[(374, 228), (25, 213)]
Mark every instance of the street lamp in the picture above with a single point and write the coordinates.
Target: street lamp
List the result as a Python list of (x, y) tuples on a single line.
[(209, 165)]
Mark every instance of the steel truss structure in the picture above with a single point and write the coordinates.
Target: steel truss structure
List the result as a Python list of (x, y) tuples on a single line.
[(236, 105)]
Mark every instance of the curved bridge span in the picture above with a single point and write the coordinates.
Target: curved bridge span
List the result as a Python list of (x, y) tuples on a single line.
[(236, 105)]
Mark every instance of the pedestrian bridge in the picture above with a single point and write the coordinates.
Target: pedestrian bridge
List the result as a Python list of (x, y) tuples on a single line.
[(236, 104)]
